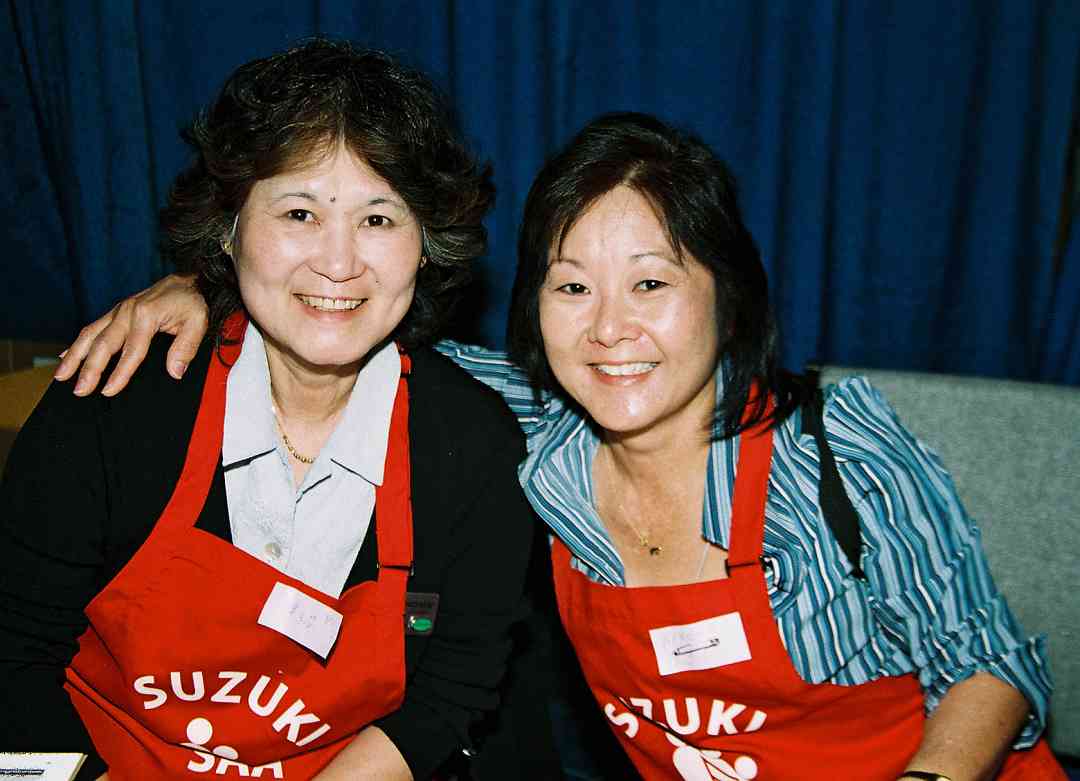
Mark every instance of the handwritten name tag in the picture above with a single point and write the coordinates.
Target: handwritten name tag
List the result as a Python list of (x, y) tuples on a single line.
[(703, 645), (301, 618)]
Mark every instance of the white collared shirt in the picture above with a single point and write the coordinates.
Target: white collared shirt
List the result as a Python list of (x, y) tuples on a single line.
[(313, 532)]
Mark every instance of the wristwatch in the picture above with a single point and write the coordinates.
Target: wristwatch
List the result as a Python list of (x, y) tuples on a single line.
[(922, 775)]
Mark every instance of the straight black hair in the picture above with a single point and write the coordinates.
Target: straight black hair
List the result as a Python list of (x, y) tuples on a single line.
[(694, 197)]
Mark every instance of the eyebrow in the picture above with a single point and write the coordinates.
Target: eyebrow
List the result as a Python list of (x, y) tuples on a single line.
[(304, 195), (381, 199), (378, 200), (658, 254)]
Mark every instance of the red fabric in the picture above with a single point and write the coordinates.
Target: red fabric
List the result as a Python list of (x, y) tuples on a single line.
[(752, 719), (228, 695)]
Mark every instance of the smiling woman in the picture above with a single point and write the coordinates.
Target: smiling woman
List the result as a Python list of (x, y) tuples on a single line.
[(269, 128), (326, 259), (329, 588), (674, 462), (631, 333), (630, 324)]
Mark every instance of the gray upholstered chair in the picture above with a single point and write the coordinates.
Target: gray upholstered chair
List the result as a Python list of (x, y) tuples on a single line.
[(1013, 449)]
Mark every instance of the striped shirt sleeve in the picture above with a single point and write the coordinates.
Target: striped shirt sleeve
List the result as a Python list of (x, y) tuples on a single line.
[(931, 587)]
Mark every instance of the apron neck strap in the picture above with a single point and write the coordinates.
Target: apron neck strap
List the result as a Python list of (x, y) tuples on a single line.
[(751, 489), (393, 499)]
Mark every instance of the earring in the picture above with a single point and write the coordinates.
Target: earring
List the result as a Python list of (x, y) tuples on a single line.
[(227, 243), (424, 251)]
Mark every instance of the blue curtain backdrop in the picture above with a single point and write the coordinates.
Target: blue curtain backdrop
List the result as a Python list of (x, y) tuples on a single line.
[(901, 164)]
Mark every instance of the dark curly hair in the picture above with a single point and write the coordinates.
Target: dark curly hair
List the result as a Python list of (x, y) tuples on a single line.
[(693, 195), (283, 111)]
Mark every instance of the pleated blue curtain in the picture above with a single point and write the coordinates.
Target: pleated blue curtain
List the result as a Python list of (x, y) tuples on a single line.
[(901, 163), (1060, 356)]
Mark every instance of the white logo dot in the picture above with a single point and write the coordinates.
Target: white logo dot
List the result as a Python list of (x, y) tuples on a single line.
[(199, 731), (746, 767)]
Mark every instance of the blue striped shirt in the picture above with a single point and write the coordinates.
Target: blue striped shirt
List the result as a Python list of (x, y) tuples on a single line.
[(928, 605)]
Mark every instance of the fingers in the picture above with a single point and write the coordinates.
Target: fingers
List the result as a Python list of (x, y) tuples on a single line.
[(185, 345), (134, 342), (172, 305), (104, 346), (74, 355)]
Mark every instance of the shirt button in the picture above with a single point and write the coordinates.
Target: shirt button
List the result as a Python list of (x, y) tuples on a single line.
[(273, 550)]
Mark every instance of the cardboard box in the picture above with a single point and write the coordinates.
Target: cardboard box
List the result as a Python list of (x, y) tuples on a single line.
[(26, 369), (18, 354), (20, 391)]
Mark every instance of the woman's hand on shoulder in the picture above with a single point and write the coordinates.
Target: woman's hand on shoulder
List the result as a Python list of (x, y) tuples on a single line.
[(172, 306)]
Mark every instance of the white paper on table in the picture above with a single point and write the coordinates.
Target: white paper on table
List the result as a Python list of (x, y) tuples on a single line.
[(40, 766)]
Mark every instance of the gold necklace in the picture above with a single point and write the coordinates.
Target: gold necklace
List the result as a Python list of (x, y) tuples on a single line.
[(288, 445), (622, 515), (654, 550)]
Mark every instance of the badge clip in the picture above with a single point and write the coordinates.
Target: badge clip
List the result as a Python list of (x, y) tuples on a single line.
[(420, 612)]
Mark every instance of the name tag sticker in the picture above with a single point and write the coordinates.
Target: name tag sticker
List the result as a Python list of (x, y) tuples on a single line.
[(301, 618), (703, 645)]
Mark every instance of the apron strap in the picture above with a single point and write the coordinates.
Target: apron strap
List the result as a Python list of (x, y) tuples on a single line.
[(393, 499), (751, 489), (191, 489), (832, 498), (560, 554)]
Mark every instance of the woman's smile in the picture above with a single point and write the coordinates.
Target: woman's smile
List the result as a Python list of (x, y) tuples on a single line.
[(324, 304), (625, 369)]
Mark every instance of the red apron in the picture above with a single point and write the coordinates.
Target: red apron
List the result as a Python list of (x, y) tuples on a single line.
[(174, 676), (697, 684)]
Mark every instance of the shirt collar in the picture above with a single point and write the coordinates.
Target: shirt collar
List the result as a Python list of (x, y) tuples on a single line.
[(358, 442), (249, 422), (359, 439), (557, 479)]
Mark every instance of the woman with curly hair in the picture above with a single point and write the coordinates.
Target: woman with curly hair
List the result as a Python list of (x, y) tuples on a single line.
[(303, 559)]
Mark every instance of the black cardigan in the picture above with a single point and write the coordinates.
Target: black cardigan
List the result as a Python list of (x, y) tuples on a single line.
[(87, 478)]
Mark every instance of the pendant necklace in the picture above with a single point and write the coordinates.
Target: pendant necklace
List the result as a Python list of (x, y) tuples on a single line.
[(643, 539), (656, 550)]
